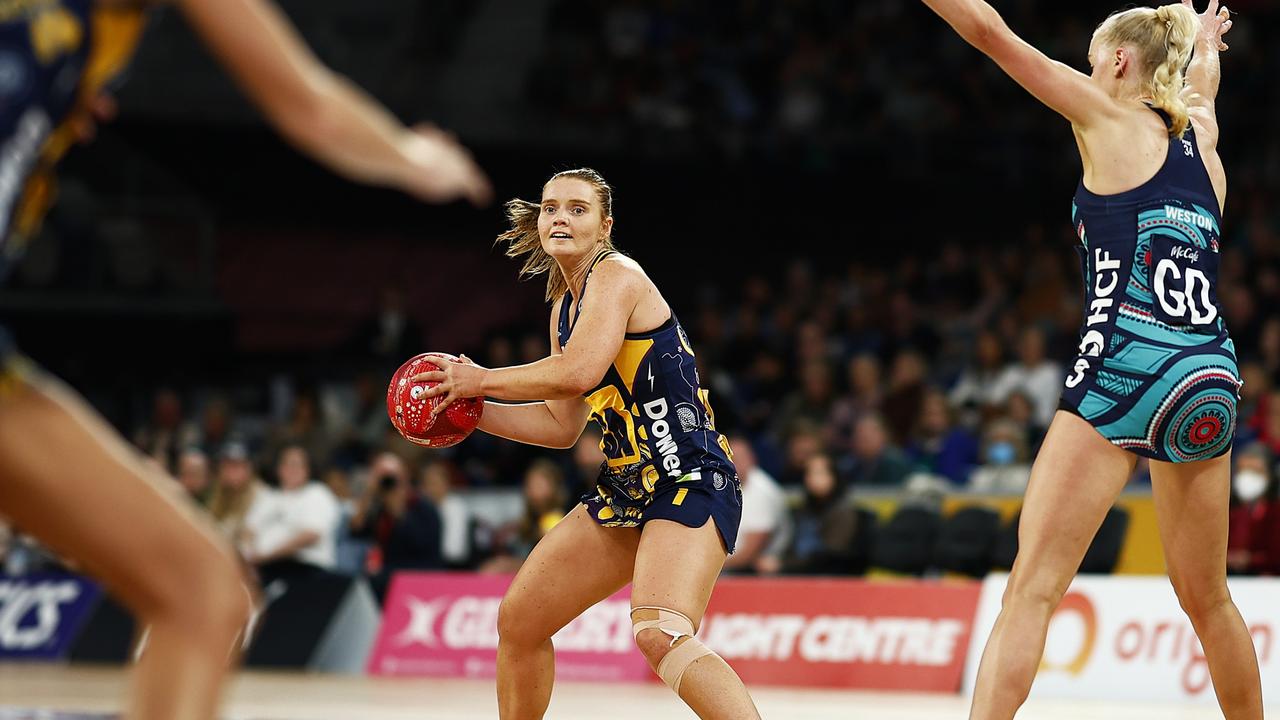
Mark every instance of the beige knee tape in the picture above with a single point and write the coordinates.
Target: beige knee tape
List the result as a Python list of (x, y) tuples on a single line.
[(682, 654)]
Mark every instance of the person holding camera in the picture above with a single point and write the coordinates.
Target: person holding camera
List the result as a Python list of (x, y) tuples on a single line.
[(402, 523)]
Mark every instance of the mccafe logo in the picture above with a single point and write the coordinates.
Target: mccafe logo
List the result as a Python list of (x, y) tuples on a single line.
[(1081, 605)]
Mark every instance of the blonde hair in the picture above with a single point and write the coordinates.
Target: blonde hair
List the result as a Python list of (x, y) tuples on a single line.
[(1163, 38), (523, 241), (229, 506)]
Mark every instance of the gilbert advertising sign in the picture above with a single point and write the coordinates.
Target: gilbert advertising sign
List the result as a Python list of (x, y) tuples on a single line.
[(1126, 638), (446, 625), (816, 633)]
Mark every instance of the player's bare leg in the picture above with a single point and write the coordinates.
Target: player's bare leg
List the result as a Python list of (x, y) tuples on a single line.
[(578, 564), (66, 478), (1192, 505)]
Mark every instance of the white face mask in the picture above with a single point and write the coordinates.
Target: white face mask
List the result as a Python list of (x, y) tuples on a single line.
[(1249, 485)]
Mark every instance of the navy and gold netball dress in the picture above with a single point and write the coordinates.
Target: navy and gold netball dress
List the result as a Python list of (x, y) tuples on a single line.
[(55, 55), (1156, 373), (664, 458)]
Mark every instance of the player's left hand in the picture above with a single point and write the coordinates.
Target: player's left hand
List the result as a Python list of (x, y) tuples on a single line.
[(459, 378)]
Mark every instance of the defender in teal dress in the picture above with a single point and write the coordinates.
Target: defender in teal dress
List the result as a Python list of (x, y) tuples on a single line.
[(1156, 373)]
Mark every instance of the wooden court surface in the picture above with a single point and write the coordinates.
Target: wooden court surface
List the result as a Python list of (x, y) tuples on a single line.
[(59, 692)]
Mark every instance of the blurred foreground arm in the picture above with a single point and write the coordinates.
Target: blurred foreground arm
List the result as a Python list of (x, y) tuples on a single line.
[(325, 115)]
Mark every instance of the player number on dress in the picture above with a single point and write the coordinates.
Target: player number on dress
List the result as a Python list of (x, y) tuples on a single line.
[(1184, 293)]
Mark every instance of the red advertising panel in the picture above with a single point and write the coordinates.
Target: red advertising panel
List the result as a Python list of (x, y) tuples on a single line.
[(909, 635)]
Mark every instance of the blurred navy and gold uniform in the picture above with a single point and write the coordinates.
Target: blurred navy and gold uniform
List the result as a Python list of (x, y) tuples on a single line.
[(55, 56), (664, 459)]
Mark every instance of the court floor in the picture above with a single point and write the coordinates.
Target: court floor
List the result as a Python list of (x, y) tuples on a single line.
[(53, 692)]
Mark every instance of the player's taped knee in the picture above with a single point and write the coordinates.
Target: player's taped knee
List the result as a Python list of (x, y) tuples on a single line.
[(684, 647)]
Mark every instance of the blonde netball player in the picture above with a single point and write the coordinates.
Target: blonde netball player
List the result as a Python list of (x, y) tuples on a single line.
[(1156, 374), (665, 510)]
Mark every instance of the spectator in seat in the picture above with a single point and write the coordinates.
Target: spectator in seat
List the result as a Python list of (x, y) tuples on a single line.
[(1252, 409), (455, 516), (974, 393), (805, 441), (938, 445), (587, 462), (823, 527), (360, 419), (544, 501), (865, 394), (215, 425), (1269, 422), (764, 510), (1033, 374), (161, 438), (810, 403), (902, 403), (404, 526), (1253, 538), (304, 429), (235, 492), (1019, 408), (1005, 467), (194, 475), (293, 532), (874, 460)]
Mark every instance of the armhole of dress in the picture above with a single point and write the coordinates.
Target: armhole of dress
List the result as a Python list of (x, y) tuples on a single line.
[(562, 327)]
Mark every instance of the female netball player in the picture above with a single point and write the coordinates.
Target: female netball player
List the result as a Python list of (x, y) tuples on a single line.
[(65, 476), (1156, 374), (664, 514)]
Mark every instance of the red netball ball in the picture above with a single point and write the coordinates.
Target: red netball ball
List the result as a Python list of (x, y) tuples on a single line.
[(410, 411)]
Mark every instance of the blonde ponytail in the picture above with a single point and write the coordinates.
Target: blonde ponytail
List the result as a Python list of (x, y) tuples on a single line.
[(522, 238), (1179, 23), (1163, 39)]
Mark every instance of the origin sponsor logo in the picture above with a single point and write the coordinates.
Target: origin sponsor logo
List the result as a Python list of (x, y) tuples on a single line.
[(835, 638), (1140, 641)]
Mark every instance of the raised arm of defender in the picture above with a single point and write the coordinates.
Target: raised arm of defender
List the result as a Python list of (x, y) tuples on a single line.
[(323, 114), (1204, 73), (1064, 89)]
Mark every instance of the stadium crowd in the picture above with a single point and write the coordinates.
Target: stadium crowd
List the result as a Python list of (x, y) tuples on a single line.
[(933, 375), (936, 372)]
